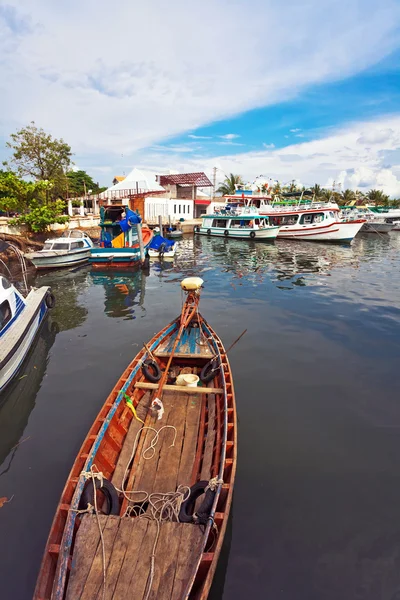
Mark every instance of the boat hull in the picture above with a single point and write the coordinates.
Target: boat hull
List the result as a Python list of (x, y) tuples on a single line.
[(371, 227), (17, 341), (260, 235), (342, 232), (108, 433), (168, 255), (57, 260)]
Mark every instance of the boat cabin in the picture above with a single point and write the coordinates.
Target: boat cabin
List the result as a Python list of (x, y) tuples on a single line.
[(303, 218), (11, 304), (71, 239), (224, 221)]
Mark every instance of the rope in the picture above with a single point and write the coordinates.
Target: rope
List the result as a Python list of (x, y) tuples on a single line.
[(213, 484)]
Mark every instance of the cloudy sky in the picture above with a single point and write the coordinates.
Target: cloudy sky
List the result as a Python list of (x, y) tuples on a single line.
[(290, 90)]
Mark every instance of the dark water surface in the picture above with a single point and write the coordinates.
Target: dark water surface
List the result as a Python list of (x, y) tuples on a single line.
[(316, 511)]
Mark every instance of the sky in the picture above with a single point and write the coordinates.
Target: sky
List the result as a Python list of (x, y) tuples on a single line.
[(308, 91)]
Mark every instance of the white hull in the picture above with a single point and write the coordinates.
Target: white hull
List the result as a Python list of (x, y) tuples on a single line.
[(20, 336), (334, 232), (371, 227), (154, 254), (268, 233), (54, 259)]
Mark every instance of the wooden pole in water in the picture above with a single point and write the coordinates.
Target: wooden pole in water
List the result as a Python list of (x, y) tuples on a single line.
[(160, 225), (140, 238)]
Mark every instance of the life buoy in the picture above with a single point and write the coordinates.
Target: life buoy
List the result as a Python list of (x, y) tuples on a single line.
[(252, 234), (50, 300), (109, 491), (208, 231), (151, 370), (209, 370), (226, 233), (187, 507)]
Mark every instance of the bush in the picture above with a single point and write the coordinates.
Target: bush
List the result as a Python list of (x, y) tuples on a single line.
[(39, 219)]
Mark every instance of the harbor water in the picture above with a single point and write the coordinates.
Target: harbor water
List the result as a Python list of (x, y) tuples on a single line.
[(316, 509)]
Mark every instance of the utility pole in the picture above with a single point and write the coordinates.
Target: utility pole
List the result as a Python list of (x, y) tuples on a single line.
[(214, 180)]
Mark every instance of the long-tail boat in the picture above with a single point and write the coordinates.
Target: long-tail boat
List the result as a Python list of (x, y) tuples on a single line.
[(144, 511)]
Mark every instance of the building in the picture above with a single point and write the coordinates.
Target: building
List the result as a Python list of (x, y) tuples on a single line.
[(174, 196)]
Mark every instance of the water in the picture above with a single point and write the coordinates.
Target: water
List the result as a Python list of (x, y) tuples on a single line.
[(316, 511)]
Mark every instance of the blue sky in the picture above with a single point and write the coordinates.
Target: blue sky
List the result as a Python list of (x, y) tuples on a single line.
[(307, 92)]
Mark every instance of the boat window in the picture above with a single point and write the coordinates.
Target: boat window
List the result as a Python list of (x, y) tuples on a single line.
[(75, 245), (285, 220), (312, 218), (61, 246), (174, 208), (47, 246), (5, 314), (220, 223), (257, 221), (332, 214), (5, 283)]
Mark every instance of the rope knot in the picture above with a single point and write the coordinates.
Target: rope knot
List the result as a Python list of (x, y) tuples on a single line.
[(214, 483)]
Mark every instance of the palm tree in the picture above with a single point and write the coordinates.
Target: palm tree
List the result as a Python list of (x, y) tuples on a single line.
[(347, 196), (317, 190), (378, 197), (228, 187)]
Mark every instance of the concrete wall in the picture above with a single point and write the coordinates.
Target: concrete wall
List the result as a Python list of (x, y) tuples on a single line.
[(73, 223)]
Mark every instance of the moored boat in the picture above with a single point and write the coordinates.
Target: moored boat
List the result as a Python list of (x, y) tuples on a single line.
[(20, 319), (119, 243), (126, 524), (238, 222), (161, 248), (69, 250), (374, 223)]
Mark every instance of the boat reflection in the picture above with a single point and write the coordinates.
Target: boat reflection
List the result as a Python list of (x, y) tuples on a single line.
[(123, 291), (18, 400)]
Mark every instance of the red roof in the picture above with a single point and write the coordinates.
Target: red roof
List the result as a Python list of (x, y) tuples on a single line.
[(204, 202), (186, 180)]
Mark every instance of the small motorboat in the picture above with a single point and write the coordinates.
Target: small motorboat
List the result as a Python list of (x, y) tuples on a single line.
[(161, 248), (164, 441), (173, 233), (20, 319), (69, 250)]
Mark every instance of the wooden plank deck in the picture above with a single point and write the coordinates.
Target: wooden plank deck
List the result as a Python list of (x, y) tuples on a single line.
[(128, 545), (129, 541), (185, 389), (189, 346)]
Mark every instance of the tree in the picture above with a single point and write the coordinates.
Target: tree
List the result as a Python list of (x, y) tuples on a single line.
[(378, 197), (41, 216), (316, 189), (347, 196), (38, 155), (18, 195), (228, 187), (80, 183)]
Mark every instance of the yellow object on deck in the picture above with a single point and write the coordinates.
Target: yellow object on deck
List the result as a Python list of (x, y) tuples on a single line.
[(119, 241)]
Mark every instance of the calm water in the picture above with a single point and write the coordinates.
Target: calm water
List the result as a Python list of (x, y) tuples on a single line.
[(316, 512)]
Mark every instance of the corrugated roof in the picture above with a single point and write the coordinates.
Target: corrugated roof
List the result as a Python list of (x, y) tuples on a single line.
[(119, 178), (186, 180)]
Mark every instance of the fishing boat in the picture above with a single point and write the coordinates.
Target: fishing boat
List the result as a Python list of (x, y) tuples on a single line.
[(119, 241), (300, 217), (144, 510), (20, 320), (374, 223), (238, 222), (69, 250)]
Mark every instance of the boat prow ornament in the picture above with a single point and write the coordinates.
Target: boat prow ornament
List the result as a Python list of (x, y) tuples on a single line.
[(190, 284)]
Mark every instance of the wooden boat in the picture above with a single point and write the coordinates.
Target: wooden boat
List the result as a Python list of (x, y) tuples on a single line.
[(155, 544)]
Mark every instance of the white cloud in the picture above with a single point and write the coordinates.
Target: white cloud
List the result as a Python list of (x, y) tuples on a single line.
[(339, 157), (294, 130), (199, 137), (229, 136), (268, 146), (112, 83)]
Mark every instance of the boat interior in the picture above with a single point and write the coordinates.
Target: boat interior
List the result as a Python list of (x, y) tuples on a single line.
[(152, 463)]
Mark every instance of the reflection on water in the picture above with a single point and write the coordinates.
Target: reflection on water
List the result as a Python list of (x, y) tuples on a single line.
[(123, 291), (18, 400), (317, 492)]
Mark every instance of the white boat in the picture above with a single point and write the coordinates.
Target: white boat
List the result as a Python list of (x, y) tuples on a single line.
[(300, 217), (71, 249), (161, 248), (20, 319), (374, 223), (244, 223)]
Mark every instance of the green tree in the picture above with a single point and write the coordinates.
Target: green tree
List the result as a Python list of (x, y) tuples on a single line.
[(347, 196), (40, 216), (316, 189), (18, 195), (38, 155), (378, 197), (80, 183), (228, 187)]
